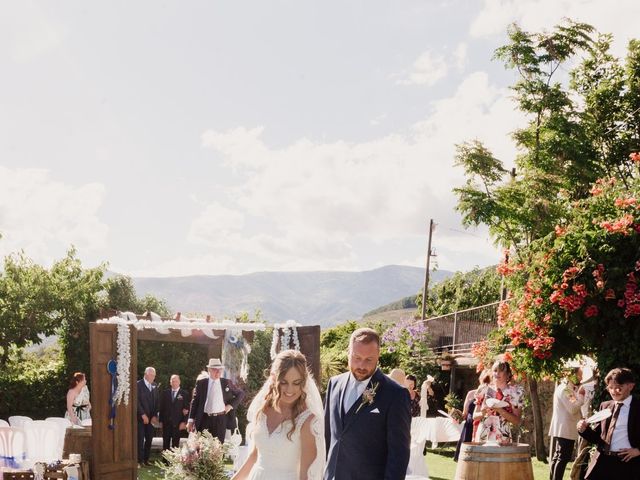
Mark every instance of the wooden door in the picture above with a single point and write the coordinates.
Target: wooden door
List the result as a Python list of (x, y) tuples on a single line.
[(114, 451)]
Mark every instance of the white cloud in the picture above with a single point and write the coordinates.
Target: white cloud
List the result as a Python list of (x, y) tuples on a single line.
[(45, 217), (536, 15), (215, 221), (426, 70), (30, 32), (460, 56), (319, 198)]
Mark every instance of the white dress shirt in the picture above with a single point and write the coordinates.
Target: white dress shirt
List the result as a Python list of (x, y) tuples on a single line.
[(214, 402), (353, 391), (620, 437), (149, 386)]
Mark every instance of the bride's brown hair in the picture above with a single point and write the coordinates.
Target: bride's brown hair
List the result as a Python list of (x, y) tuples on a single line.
[(284, 361)]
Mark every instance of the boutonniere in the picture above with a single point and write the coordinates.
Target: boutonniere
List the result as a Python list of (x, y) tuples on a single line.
[(226, 389), (368, 396), (179, 397)]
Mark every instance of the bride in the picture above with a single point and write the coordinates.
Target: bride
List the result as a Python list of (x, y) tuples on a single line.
[(285, 433)]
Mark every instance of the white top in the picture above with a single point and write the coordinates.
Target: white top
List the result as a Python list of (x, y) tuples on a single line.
[(567, 405), (278, 456), (214, 402), (620, 438), (350, 396)]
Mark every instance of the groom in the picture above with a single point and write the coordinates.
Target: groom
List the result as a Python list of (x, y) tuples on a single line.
[(367, 418)]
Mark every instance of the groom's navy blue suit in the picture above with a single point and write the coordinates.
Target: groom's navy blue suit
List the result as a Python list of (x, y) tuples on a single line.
[(374, 443)]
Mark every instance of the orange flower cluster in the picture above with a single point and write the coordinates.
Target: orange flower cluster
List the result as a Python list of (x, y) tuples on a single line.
[(524, 331), (619, 226), (560, 230), (598, 188), (599, 278), (622, 202), (635, 157), (503, 313), (480, 351), (506, 267)]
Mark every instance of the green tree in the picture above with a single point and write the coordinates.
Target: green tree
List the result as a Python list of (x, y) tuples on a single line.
[(461, 291), (121, 295)]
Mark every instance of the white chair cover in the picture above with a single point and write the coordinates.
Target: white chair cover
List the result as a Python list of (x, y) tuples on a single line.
[(4, 423), (12, 447), (19, 421), (62, 424), (43, 439), (442, 430), (417, 468)]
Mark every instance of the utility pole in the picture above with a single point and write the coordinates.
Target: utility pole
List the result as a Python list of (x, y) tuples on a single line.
[(425, 290)]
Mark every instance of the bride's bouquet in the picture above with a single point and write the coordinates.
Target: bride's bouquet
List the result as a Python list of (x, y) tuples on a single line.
[(200, 458)]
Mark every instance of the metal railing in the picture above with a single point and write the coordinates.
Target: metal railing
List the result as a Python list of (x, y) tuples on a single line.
[(457, 332)]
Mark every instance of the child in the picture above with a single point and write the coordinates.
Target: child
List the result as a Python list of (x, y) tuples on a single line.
[(617, 438)]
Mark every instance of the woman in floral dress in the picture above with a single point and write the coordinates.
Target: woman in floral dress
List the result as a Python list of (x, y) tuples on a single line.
[(495, 423)]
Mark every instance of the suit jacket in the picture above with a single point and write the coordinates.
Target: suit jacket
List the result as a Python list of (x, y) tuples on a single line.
[(566, 413), (598, 434), (147, 400), (171, 410), (231, 395), (374, 442)]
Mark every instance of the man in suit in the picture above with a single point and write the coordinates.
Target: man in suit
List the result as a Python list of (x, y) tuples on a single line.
[(174, 408), (213, 399), (367, 418), (617, 438), (568, 399), (147, 413)]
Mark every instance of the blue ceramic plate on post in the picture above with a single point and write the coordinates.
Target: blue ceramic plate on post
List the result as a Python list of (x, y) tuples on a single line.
[(112, 367)]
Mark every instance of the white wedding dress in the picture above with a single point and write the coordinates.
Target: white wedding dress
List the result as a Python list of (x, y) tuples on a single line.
[(278, 457)]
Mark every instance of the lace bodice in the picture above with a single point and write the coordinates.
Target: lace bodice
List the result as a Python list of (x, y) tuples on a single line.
[(278, 456)]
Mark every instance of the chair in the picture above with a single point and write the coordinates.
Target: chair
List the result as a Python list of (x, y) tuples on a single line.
[(417, 467), (12, 447), (43, 440), (4, 423), (62, 424), (19, 421)]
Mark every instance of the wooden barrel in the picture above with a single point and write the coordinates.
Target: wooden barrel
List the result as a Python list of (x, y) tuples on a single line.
[(480, 462), (78, 440)]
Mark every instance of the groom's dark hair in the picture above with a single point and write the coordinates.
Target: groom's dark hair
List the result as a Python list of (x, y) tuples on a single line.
[(364, 335)]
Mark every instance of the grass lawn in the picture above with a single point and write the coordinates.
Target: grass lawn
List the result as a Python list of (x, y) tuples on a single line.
[(439, 461)]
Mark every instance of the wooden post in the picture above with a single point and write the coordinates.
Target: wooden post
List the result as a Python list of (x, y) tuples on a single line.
[(425, 289)]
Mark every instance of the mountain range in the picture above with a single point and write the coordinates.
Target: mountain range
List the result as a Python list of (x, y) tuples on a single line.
[(311, 298)]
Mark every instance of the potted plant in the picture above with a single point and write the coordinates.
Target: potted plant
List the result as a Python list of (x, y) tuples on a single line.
[(446, 361), (453, 404)]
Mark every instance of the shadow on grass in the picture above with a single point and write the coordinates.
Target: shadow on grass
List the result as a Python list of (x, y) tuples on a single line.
[(447, 451)]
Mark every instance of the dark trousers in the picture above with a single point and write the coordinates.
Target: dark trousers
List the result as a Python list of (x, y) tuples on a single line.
[(563, 449), (613, 468), (145, 435), (217, 425), (170, 435)]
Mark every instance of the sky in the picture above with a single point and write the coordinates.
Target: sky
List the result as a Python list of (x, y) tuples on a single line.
[(173, 138)]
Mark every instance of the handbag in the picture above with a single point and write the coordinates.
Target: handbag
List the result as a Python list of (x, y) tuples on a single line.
[(236, 438)]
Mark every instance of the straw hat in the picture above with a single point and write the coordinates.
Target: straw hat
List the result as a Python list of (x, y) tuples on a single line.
[(215, 363)]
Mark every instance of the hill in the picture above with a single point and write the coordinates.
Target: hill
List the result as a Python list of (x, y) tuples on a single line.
[(311, 298)]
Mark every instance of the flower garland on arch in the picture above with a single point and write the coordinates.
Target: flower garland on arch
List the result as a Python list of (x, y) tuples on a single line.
[(289, 335), (128, 319)]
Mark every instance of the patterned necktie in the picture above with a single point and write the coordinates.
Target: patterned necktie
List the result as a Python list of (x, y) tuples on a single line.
[(612, 425), (173, 396)]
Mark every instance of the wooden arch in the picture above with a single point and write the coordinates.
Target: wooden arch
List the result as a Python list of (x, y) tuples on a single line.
[(114, 452)]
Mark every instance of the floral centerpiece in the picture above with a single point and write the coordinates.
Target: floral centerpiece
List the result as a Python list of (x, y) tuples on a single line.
[(200, 458)]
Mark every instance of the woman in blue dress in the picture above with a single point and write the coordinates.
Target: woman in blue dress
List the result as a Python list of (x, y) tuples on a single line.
[(473, 396)]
